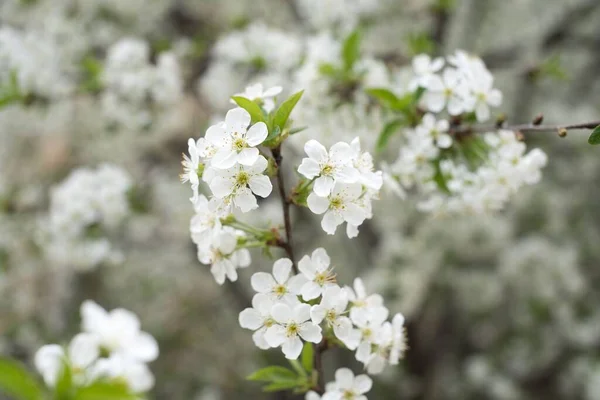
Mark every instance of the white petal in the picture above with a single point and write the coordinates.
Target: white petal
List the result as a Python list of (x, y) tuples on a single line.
[(261, 185), (307, 268), (347, 174), (311, 332), (262, 282), (237, 120), (363, 384), (344, 378), (259, 166), (320, 257), (250, 319), (309, 168), (282, 313), (275, 335), (83, 349), (434, 101), (124, 321), (248, 156), (144, 348), (330, 222), (221, 187), (292, 347), (316, 151), (295, 283), (310, 291), (301, 312), (317, 204), (257, 134), (245, 200), (93, 317), (482, 111), (139, 378), (317, 313), (224, 158), (354, 214), (48, 361), (323, 186), (216, 135), (259, 339), (495, 98), (363, 353), (274, 91), (340, 152), (282, 269)]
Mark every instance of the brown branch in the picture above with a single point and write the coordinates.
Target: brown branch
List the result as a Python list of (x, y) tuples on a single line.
[(319, 348), (523, 128)]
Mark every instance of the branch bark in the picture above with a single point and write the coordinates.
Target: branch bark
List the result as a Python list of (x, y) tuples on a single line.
[(523, 128)]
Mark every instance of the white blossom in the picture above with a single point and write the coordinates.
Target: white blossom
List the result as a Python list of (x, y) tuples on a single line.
[(342, 205), (347, 386), (316, 270), (263, 97), (282, 285), (259, 318), (292, 324), (332, 309)]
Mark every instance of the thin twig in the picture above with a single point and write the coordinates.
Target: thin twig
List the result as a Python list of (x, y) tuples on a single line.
[(523, 128), (287, 245)]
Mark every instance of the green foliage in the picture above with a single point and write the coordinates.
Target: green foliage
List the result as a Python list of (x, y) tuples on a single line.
[(387, 132), (105, 391), (92, 70), (307, 357), (256, 113), (420, 43), (10, 93), (282, 114), (552, 68), (64, 389), (444, 5), (594, 138), (351, 49), (278, 378), (17, 382)]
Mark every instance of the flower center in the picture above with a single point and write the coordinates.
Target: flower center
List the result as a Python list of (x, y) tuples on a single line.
[(269, 322), (348, 394), (242, 178), (448, 92), (292, 329), (367, 333), (331, 315), (336, 203), (239, 144), (280, 290), (327, 169), (325, 277)]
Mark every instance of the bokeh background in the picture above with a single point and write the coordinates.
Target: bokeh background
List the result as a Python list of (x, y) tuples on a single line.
[(501, 307)]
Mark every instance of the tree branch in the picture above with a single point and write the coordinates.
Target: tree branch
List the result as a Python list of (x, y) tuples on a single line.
[(532, 127)]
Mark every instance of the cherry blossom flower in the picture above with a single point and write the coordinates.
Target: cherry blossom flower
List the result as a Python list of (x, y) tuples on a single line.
[(331, 309), (118, 331), (224, 255), (339, 207), (316, 270), (436, 130), (292, 324), (327, 168), (282, 285), (237, 184), (259, 318), (235, 142), (347, 386)]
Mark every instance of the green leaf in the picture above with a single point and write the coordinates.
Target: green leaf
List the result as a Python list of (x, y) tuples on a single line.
[(595, 136), (273, 373), (298, 367), (328, 70), (64, 384), (253, 109), (307, 357), (351, 49), (270, 139), (386, 133), (281, 116), (282, 385), (384, 96), (105, 391), (17, 382)]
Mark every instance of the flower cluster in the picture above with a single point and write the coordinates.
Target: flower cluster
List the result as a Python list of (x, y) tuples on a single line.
[(111, 347), (21, 54), (459, 170), (282, 314), (83, 210), (134, 86), (344, 183), (228, 160)]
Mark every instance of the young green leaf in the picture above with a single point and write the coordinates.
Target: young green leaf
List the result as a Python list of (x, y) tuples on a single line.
[(273, 373), (386, 97), (298, 367), (297, 130), (351, 49), (17, 382), (386, 133), (253, 109), (595, 136), (282, 385), (105, 391), (281, 116), (307, 357)]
